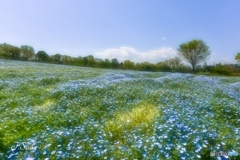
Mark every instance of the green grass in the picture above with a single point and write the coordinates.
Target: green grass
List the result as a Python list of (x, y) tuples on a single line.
[(141, 116), (124, 117)]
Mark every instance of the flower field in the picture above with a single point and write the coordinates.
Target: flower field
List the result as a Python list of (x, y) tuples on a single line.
[(67, 112)]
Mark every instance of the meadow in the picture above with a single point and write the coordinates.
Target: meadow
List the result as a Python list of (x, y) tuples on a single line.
[(67, 112)]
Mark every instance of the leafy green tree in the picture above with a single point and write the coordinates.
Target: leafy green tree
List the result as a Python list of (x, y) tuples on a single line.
[(56, 58), (163, 67), (15, 53), (237, 57), (115, 64), (145, 66), (85, 61), (42, 56), (79, 61), (174, 63), (8, 51), (127, 64), (107, 63), (68, 60), (27, 53), (121, 65), (194, 52), (3, 50), (91, 61), (222, 69), (99, 63)]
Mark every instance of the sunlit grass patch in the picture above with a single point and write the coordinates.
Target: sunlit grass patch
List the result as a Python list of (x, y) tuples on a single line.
[(45, 105), (18, 129), (141, 117), (48, 89)]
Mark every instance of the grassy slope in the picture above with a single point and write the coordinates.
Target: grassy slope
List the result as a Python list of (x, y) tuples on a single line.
[(76, 112)]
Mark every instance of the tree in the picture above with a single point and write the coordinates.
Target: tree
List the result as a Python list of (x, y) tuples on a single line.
[(163, 66), (99, 63), (174, 63), (4, 50), (42, 56), (107, 63), (237, 57), (15, 52), (8, 51), (26, 53), (89, 61), (85, 61), (79, 61), (114, 63), (127, 64), (194, 52), (145, 66), (56, 58), (222, 69), (68, 60)]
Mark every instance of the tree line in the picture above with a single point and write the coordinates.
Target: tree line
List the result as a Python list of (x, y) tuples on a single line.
[(194, 52)]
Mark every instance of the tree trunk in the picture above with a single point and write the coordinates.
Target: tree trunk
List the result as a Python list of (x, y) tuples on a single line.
[(193, 68)]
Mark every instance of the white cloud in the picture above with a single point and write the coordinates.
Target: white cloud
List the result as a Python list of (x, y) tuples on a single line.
[(164, 38), (217, 58), (132, 54)]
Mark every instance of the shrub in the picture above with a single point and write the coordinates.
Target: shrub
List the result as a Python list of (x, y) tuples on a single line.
[(222, 69)]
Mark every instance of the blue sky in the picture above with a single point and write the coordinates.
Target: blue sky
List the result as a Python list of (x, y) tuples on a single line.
[(138, 30)]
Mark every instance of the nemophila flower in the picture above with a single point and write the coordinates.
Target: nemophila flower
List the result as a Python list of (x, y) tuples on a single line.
[(193, 112)]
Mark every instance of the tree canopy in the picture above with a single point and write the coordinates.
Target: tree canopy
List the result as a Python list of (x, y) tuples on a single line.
[(127, 64), (42, 56), (27, 52), (114, 63), (9, 51), (194, 52), (237, 57)]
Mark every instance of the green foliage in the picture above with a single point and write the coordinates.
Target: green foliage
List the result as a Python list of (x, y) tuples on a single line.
[(238, 57), (224, 69), (42, 56), (107, 63), (145, 66), (68, 60), (8, 51), (3, 148), (163, 67), (88, 61), (175, 63), (78, 61), (115, 64), (221, 69), (124, 114), (27, 53), (91, 61), (56, 58), (127, 64), (194, 52)]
